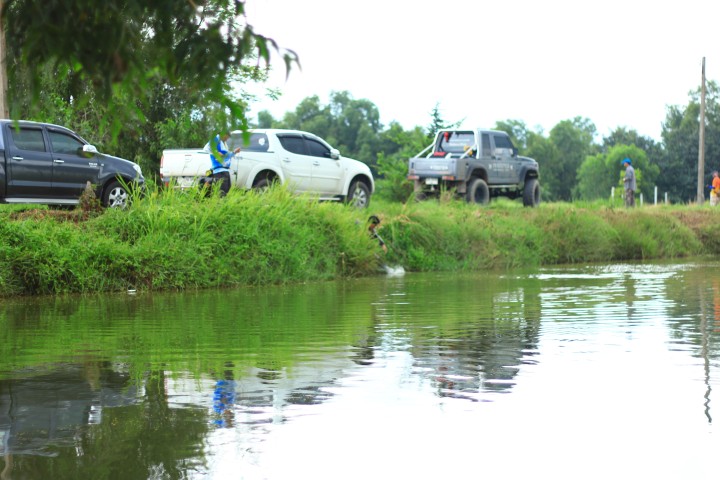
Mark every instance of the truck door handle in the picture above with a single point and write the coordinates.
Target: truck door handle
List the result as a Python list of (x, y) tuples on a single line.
[(286, 160), (58, 161), (18, 158), (316, 163)]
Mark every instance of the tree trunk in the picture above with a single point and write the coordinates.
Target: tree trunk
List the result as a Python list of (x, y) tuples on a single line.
[(4, 109)]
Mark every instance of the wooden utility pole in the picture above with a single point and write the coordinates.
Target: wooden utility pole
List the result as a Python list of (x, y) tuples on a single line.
[(701, 147)]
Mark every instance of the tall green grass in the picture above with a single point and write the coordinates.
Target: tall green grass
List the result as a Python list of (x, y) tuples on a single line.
[(171, 239)]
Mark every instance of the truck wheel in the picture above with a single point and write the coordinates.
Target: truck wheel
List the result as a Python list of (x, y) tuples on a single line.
[(358, 195), (116, 195), (478, 192), (264, 182), (531, 195)]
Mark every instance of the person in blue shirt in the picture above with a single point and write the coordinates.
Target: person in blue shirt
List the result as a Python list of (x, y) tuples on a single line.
[(220, 167)]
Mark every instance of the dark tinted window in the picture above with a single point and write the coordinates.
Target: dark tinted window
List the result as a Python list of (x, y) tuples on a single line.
[(293, 144), (28, 139), (455, 142), (501, 141), (317, 149), (486, 145), (63, 143)]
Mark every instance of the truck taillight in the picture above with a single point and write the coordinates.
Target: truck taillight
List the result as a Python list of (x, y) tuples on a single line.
[(413, 177), (448, 177)]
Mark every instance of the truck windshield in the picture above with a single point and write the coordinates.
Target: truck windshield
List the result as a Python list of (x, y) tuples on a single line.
[(454, 142)]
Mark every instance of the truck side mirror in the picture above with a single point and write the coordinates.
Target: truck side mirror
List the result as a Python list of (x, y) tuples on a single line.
[(88, 151), (334, 153)]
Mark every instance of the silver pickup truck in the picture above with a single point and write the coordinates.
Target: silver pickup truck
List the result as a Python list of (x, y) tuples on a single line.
[(475, 164), (303, 161)]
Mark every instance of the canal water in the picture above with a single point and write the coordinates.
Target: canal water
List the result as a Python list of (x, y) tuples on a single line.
[(604, 371)]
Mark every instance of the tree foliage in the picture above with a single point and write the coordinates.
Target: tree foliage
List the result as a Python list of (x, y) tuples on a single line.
[(573, 141), (680, 133), (437, 123), (154, 102), (348, 124), (123, 50), (599, 173)]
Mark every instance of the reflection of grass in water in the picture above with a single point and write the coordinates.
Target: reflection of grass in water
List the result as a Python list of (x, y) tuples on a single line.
[(196, 332)]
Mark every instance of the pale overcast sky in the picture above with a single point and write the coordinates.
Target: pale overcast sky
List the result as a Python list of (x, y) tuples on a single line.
[(618, 63)]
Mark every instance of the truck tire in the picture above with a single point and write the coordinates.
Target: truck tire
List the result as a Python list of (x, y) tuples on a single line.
[(531, 194), (478, 192), (264, 181), (116, 195), (358, 195)]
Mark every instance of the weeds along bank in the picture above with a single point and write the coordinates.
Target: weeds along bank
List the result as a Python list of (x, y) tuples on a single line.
[(180, 240), (463, 237)]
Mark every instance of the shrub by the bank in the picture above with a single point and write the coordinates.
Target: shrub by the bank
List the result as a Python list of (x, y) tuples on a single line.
[(457, 236), (174, 240), (180, 240)]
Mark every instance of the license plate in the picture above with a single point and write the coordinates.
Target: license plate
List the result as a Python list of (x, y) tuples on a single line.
[(431, 181)]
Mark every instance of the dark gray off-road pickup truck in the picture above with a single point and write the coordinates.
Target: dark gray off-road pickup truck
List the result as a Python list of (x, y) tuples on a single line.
[(477, 165)]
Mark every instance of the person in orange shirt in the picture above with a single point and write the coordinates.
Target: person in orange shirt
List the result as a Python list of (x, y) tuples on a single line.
[(715, 192)]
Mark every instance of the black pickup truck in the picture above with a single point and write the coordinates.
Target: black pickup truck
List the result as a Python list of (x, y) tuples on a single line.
[(476, 164), (49, 164)]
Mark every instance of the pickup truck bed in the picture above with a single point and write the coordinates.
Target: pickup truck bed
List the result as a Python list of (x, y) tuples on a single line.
[(477, 165)]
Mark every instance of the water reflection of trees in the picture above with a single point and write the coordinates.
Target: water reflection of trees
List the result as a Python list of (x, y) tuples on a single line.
[(279, 347), (694, 309), (695, 318), (89, 421), (472, 335)]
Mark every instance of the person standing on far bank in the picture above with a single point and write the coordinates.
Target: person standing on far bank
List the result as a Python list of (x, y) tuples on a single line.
[(630, 185), (715, 191)]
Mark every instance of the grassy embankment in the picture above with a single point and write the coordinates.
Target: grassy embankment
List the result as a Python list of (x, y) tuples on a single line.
[(171, 240)]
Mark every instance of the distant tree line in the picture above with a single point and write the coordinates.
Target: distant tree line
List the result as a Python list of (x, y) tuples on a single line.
[(575, 164)]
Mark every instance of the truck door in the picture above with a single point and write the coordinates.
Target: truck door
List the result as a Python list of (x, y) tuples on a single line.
[(295, 161), (502, 158), (72, 168), (29, 162), (326, 171)]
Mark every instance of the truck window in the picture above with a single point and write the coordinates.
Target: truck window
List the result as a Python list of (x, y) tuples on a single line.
[(28, 139), (501, 141), (486, 145), (317, 149), (455, 142), (258, 142), (63, 143), (293, 144)]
